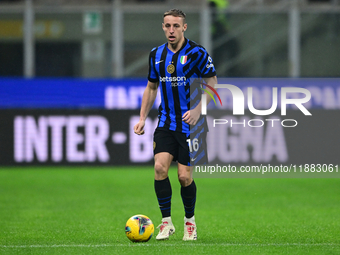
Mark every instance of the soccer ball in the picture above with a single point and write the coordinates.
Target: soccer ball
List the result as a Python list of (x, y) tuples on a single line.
[(139, 228)]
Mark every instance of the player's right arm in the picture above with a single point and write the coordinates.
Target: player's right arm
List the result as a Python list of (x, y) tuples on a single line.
[(148, 100)]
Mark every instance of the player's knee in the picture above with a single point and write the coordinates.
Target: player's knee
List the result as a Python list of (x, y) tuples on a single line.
[(184, 179), (160, 170)]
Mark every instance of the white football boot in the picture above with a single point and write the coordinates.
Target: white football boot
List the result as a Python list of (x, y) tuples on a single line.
[(166, 229), (190, 229)]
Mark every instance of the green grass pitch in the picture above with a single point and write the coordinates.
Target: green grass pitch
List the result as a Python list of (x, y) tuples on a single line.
[(83, 210)]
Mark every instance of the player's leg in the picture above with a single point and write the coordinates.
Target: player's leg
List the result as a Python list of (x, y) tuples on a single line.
[(164, 192), (188, 194), (162, 184), (188, 188), (163, 150), (187, 159)]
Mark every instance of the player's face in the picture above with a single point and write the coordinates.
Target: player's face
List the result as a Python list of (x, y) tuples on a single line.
[(174, 28)]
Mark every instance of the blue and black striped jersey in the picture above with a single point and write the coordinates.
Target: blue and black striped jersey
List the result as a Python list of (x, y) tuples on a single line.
[(175, 73)]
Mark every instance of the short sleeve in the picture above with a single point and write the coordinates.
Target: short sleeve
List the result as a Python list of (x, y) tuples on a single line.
[(153, 77), (206, 65)]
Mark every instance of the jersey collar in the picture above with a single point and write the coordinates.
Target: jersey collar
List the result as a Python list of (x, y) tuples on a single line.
[(184, 44)]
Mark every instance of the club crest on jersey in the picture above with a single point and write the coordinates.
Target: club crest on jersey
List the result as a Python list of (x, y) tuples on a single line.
[(184, 59), (170, 68)]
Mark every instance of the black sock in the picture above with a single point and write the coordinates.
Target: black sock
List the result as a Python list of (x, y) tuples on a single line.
[(163, 193), (188, 194)]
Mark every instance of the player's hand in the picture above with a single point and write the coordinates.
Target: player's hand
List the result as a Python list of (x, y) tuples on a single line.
[(139, 128), (191, 117)]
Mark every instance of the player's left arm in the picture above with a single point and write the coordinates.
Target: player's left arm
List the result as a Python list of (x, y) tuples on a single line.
[(191, 117)]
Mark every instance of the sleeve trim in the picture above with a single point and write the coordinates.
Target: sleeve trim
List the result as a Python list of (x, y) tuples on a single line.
[(209, 75), (152, 79)]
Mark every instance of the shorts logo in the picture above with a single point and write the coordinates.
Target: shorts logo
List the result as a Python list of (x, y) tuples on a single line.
[(170, 68), (154, 145)]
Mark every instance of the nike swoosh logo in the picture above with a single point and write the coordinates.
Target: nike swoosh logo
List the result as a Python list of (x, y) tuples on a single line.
[(157, 62), (193, 159)]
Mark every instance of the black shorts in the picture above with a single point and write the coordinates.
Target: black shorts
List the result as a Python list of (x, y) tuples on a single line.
[(186, 150)]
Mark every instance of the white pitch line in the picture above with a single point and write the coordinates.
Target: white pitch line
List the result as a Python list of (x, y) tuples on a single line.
[(164, 244)]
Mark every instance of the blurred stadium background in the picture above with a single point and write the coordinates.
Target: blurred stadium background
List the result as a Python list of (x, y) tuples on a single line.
[(106, 38), (72, 75)]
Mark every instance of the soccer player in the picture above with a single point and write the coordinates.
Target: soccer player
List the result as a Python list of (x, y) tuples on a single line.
[(172, 67)]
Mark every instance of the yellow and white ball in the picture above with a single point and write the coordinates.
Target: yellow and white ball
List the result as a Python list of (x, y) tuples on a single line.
[(139, 228)]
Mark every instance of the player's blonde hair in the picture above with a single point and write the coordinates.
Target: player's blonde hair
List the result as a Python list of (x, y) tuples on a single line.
[(175, 13)]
